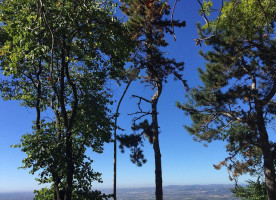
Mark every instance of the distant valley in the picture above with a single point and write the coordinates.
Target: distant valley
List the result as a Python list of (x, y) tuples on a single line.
[(173, 192)]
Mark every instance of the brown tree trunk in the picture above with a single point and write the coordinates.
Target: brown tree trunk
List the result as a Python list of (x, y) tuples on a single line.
[(269, 170), (58, 194), (156, 148), (69, 169), (68, 123), (38, 111)]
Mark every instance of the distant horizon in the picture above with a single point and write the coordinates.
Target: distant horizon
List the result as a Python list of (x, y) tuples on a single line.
[(138, 187)]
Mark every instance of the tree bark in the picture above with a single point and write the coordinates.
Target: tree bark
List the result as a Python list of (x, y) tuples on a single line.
[(269, 170), (38, 88), (58, 194), (69, 168), (156, 148), (67, 126)]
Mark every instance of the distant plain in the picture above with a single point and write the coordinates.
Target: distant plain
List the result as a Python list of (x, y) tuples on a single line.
[(173, 192)]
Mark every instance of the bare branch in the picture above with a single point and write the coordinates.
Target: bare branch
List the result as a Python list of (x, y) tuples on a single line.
[(141, 98), (204, 14), (141, 116), (232, 116), (183, 81), (199, 40), (139, 112), (224, 127), (174, 5)]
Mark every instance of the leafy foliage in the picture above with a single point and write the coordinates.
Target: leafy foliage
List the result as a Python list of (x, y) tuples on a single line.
[(237, 102), (253, 191), (47, 194), (57, 57)]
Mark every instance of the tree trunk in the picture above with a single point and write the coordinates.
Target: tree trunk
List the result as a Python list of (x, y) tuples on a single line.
[(115, 168), (68, 123), (59, 195), (156, 148), (158, 169), (269, 170), (38, 111), (69, 168), (115, 143)]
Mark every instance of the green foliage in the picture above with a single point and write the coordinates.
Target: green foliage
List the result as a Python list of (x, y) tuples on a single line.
[(44, 194), (47, 194), (135, 142), (46, 155), (252, 191), (146, 129), (239, 84), (148, 24), (56, 57), (256, 16), (206, 8)]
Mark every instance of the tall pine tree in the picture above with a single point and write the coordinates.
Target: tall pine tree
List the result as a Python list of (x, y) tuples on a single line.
[(148, 23), (237, 102)]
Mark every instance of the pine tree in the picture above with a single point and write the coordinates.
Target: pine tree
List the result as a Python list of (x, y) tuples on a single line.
[(252, 191), (237, 102), (148, 25)]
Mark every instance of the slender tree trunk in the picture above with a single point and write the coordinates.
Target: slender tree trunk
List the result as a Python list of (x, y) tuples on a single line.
[(115, 143), (69, 168), (115, 167), (68, 123), (156, 148), (38, 89), (59, 195), (269, 170)]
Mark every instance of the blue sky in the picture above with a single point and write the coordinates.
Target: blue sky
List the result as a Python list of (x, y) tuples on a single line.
[(184, 161)]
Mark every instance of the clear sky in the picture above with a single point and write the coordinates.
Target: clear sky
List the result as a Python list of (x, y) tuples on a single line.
[(184, 161)]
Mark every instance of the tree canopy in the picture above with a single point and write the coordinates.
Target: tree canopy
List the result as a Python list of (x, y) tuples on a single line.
[(237, 101), (57, 56)]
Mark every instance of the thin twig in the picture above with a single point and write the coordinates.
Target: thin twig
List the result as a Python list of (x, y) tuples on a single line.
[(142, 98), (219, 16), (139, 112), (199, 40), (174, 5), (141, 116), (183, 81), (204, 14)]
